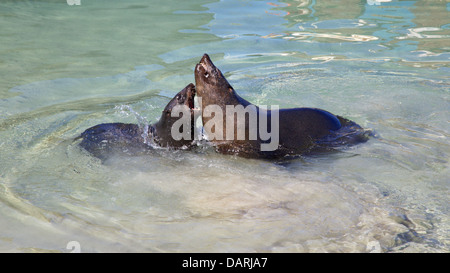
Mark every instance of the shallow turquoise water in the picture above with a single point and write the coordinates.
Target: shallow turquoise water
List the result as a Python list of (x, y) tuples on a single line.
[(383, 64)]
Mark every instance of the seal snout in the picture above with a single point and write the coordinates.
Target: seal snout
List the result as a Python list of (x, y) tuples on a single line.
[(191, 89), (200, 68)]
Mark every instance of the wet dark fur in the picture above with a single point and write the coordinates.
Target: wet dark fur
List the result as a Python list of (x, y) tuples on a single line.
[(301, 130), (106, 139)]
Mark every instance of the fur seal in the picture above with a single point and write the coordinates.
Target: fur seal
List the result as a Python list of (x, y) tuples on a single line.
[(106, 139), (300, 130)]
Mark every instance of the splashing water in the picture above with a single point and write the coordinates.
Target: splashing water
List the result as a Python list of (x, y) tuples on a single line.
[(142, 122), (383, 64)]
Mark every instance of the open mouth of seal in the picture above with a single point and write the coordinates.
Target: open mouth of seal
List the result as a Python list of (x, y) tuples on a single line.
[(203, 65), (190, 98)]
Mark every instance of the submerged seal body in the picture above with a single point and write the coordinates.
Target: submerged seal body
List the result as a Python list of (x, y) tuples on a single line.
[(106, 139), (300, 130)]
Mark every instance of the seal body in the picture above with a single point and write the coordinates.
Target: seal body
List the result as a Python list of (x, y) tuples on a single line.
[(300, 130), (106, 139)]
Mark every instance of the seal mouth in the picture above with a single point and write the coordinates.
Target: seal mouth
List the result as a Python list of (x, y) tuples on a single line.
[(184, 98), (190, 97), (205, 66), (201, 68), (205, 61)]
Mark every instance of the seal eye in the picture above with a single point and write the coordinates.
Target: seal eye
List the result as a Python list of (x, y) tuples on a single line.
[(206, 74)]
